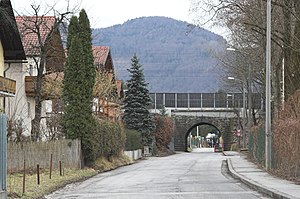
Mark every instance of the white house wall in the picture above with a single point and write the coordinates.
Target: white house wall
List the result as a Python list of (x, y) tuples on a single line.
[(44, 129), (21, 108), (30, 67)]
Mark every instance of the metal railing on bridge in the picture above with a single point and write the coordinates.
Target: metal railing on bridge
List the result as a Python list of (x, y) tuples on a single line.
[(203, 100)]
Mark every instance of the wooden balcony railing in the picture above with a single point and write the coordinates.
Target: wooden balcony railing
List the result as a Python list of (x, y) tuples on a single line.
[(30, 82), (7, 87)]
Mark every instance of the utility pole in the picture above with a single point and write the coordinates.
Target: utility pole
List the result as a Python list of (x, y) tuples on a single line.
[(244, 115), (249, 123), (268, 89)]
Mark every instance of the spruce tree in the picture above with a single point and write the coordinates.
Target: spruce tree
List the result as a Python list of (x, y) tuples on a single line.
[(79, 78), (136, 103)]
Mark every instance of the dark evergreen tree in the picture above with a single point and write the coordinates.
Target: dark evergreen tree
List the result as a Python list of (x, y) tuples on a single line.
[(85, 35), (73, 121), (136, 103), (72, 30), (78, 84)]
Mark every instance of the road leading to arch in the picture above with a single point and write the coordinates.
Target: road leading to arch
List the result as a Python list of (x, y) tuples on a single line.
[(184, 175)]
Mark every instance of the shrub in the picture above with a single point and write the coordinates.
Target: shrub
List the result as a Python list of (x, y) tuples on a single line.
[(286, 139), (133, 140), (108, 139), (163, 133)]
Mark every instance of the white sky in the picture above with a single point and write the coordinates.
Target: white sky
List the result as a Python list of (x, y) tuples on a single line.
[(105, 13)]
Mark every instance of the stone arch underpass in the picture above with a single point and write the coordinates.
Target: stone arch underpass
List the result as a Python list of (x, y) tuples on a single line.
[(184, 124)]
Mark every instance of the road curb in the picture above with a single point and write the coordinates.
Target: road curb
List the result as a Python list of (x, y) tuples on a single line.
[(256, 186)]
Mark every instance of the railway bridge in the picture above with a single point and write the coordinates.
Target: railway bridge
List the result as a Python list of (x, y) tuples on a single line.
[(224, 111)]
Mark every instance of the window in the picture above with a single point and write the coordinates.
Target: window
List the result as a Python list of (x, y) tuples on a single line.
[(30, 70), (57, 105)]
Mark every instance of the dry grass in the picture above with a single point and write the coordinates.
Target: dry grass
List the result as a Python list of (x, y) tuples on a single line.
[(102, 164), (47, 185)]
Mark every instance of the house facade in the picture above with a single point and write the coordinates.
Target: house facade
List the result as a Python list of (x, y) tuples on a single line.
[(102, 106), (106, 102), (11, 50), (21, 108)]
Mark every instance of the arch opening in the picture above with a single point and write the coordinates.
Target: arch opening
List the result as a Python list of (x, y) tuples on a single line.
[(203, 137)]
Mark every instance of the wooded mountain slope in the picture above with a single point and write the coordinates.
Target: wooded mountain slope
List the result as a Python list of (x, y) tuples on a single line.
[(175, 57)]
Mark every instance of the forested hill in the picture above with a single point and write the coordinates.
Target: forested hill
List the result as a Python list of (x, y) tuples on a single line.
[(175, 57)]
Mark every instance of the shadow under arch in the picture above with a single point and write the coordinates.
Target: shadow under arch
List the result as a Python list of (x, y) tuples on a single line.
[(219, 133)]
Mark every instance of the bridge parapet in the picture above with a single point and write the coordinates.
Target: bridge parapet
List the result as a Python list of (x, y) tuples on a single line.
[(203, 100)]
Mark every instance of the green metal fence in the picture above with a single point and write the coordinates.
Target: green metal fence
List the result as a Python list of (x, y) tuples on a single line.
[(256, 145)]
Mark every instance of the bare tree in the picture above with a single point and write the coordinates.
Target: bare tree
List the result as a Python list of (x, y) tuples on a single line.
[(47, 54), (105, 88), (246, 20)]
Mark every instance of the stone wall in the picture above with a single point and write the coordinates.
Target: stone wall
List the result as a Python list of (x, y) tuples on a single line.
[(184, 124)]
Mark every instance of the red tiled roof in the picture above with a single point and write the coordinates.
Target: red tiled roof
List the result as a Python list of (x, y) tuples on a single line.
[(28, 25), (100, 54)]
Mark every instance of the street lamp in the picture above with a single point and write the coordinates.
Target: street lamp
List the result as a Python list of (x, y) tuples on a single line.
[(249, 120), (243, 110)]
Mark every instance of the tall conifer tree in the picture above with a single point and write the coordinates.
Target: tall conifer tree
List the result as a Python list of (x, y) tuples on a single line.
[(73, 122), (85, 35), (72, 30), (78, 84), (137, 100)]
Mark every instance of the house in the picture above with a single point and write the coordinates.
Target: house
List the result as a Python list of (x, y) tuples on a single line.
[(104, 104), (11, 54), (11, 50), (21, 108)]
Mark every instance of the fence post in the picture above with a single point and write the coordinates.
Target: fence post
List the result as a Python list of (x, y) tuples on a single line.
[(38, 173), (3, 160), (51, 159)]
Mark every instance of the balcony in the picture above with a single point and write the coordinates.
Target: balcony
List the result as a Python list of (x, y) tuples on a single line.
[(30, 82), (7, 87), (51, 85)]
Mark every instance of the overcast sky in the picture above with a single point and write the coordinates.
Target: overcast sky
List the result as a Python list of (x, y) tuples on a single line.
[(105, 13)]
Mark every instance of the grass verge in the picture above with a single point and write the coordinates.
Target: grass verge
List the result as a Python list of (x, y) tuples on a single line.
[(47, 185)]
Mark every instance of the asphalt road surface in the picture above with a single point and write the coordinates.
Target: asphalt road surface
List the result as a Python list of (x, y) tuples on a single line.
[(184, 175)]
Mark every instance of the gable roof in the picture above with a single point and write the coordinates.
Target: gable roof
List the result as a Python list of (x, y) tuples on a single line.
[(100, 55), (9, 34), (28, 25), (102, 58)]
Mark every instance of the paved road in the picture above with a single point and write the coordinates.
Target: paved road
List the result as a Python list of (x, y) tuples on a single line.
[(184, 175)]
